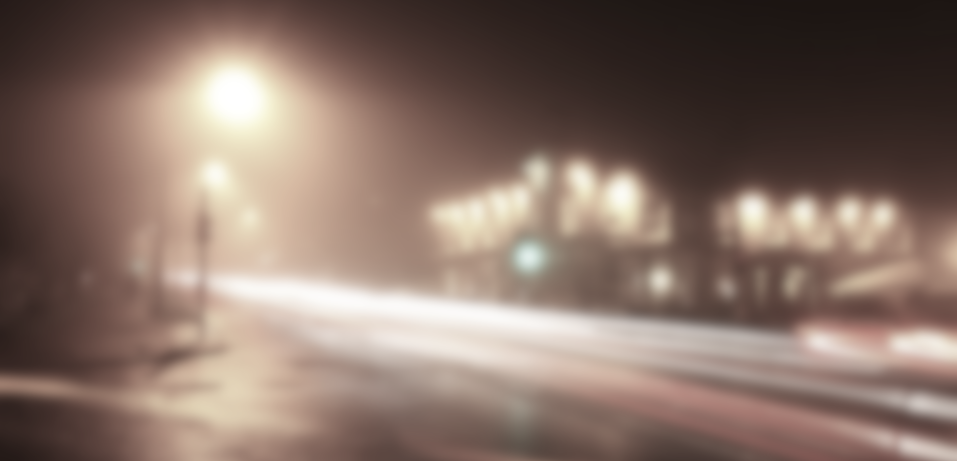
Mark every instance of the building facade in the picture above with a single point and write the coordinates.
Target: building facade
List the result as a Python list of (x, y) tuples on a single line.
[(566, 234)]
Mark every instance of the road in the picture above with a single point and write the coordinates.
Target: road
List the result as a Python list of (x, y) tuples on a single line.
[(301, 370)]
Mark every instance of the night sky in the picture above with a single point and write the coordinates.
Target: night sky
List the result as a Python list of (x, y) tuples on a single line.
[(439, 98)]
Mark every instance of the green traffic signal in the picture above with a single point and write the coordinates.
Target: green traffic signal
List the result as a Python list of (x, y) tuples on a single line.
[(530, 257)]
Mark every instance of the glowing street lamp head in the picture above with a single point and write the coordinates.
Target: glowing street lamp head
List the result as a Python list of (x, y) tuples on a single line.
[(622, 194), (581, 178), (754, 210), (884, 214), (477, 212), (804, 212), (849, 212), (521, 198), (538, 170), (214, 176), (660, 280), (236, 96), (500, 202)]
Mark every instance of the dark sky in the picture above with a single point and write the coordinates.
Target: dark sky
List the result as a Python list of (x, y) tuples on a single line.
[(450, 96)]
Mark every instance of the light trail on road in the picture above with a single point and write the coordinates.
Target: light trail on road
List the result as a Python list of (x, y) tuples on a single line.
[(600, 358)]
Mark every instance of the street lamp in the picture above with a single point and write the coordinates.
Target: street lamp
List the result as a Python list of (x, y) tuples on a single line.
[(622, 194), (538, 171), (581, 179), (849, 212), (804, 213), (213, 178), (520, 200), (754, 210), (575, 204), (501, 203), (661, 281), (805, 227), (622, 201), (235, 96), (884, 215), (754, 214)]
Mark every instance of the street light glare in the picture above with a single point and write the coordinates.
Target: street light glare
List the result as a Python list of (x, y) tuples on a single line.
[(622, 194), (477, 212), (660, 280), (214, 176), (581, 177), (804, 212), (439, 214), (884, 214), (520, 198), (236, 96), (753, 210), (538, 171), (849, 212), (251, 219), (500, 203)]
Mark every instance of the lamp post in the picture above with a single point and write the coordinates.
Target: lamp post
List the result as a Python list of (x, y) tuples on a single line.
[(213, 177), (235, 98)]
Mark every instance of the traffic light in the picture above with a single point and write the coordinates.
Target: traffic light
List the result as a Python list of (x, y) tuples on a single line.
[(530, 256)]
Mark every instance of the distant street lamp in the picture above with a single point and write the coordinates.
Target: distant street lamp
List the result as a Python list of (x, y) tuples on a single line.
[(538, 171), (622, 202), (581, 178), (805, 225), (213, 178), (503, 208), (753, 212), (850, 219), (660, 281), (804, 213), (622, 195), (884, 215), (849, 213), (520, 199), (577, 203)]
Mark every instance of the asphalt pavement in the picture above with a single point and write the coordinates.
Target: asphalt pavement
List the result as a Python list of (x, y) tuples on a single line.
[(383, 378), (261, 390)]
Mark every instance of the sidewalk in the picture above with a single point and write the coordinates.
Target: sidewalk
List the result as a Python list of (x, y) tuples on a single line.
[(99, 333), (88, 371)]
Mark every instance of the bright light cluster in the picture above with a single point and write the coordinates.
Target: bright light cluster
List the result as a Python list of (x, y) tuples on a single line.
[(580, 201), (929, 345), (617, 205), (486, 220), (756, 221)]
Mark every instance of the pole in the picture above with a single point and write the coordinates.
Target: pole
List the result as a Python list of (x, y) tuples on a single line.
[(203, 240), (156, 273)]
